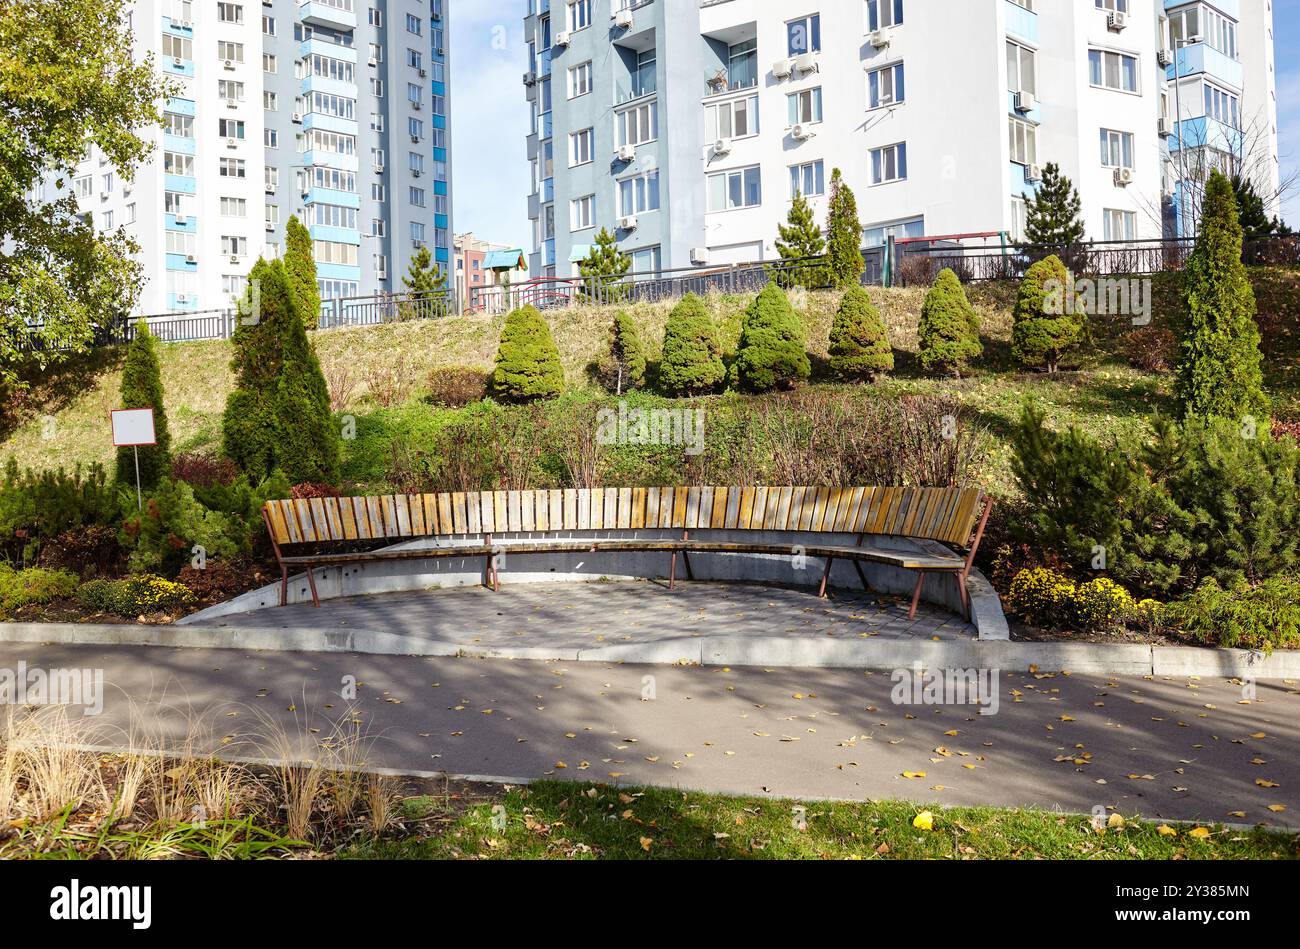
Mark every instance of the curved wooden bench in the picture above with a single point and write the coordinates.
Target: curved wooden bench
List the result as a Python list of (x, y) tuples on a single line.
[(945, 515)]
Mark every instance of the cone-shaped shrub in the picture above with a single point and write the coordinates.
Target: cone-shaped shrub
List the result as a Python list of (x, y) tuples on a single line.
[(692, 360), (307, 441), (624, 366), (844, 234), (142, 389), (772, 352), (859, 341), (528, 362), (1043, 332), (300, 266), (949, 331), (1219, 359)]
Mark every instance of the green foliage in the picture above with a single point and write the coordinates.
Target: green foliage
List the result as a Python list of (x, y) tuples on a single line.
[(36, 506), (300, 268), (32, 587), (1219, 362), (1263, 616), (692, 359), (1252, 213), (134, 596), (307, 441), (68, 79), (949, 330), (1043, 332), (844, 232), (142, 388), (623, 367), (859, 341), (801, 240), (772, 353), (528, 362), (603, 270), (425, 282), (1052, 216), (161, 538)]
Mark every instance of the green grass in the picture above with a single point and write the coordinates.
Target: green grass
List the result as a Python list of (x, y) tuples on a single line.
[(563, 821)]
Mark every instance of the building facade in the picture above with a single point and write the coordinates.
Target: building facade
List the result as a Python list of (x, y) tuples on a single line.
[(471, 270), (334, 110), (687, 126)]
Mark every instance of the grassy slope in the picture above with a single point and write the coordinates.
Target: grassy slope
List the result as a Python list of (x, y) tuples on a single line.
[(1108, 397)]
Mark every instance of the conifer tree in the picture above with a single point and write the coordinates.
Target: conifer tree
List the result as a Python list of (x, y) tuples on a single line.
[(844, 232), (949, 330), (528, 364), (859, 343), (1043, 332), (142, 388), (692, 360), (1052, 216), (801, 240), (772, 352), (603, 270)]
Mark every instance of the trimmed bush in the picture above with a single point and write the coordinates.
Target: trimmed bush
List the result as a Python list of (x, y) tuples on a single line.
[(1043, 332), (528, 363), (772, 352), (949, 330), (1219, 363), (300, 268), (1264, 616), (307, 441), (162, 537), (142, 388), (692, 361), (859, 343)]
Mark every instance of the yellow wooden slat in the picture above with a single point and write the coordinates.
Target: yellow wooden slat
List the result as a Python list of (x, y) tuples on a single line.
[(347, 519), (679, 507), (692, 508), (416, 506), (487, 512), (638, 508), (527, 517), (458, 518), (651, 507), (774, 517), (500, 505), (706, 507), (403, 512), (279, 530), (596, 519), (821, 507), (333, 519), (570, 509), (794, 509), (611, 508), (731, 516), (542, 510), (584, 509), (759, 512), (302, 511), (316, 510), (555, 505), (666, 507), (746, 507), (833, 501), (514, 511), (718, 516), (623, 515), (473, 513)]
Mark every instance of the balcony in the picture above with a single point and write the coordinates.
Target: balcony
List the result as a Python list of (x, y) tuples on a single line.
[(334, 14)]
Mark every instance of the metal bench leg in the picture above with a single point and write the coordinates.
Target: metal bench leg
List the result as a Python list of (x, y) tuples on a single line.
[(311, 582), (862, 576), (672, 572), (825, 576), (284, 585), (916, 594)]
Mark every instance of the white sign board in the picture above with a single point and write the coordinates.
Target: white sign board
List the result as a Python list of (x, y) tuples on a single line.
[(133, 427)]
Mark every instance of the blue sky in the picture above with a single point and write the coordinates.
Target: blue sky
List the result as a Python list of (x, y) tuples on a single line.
[(489, 115)]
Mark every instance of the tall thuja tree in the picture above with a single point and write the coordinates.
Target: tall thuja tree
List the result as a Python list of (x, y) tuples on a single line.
[(306, 440), (1218, 370), (68, 81), (142, 388), (1043, 333), (844, 234), (604, 269), (300, 267), (772, 352), (949, 330), (801, 240), (1052, 216)]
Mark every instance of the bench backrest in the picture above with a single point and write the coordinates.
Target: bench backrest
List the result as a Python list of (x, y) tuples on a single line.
[(943, 514)]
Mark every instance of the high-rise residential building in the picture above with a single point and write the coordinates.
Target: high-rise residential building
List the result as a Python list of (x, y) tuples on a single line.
[(687, 126), (334, 110)]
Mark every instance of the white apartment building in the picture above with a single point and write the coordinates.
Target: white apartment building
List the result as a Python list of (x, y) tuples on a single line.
[(334, 110), (686, 126)]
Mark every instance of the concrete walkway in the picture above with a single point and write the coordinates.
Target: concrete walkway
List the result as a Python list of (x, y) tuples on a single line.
[(1163, 748)]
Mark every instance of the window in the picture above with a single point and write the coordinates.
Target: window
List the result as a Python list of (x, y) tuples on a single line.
[(377, 88), (1022, 74), (230, 13), (742, 64), (376, 17), (376, 121), (329, 68), (233, 245), (804, 35), (230, 52), (1222, 106), (378, 227), (417, 232), (889, 164), (334, 179), (885, 86), (579, 14), (268, 63), (1119, 225), (883, 13), (416, 197), (739, 188), (178, 163), (234, 284), (808, 179), (332, 252), (582, 212), (230, 128), (879, 234), (580, 146), (234, 207), (332, 289), (643, 73), (1019, 215), (1116, 149), (106, 183), (381, 266), (639, 194), (181, 242), (83, 186), (271, 177), (337, 106), (734, 119), (438, 104), (271, 138), (416, 128), (333, 215), (1024, 141), (173, 202), (378, 192), (230, 90), (321, 140), (805, 106), (130, 213), (268, 25), (1112, 70), (414, 92), (182, 126), (638, 125), (1118, 6), (645, 262), (414, 59), (413, 24), (270, 101), (175, 47), (232, 168), (580, 80)]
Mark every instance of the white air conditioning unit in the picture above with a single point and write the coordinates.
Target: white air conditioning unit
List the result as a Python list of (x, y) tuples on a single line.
[(372, 61), (561, 38), (229, 64), (722, 146), (103, 196), (269, 227), (234, 258), (191, 259), (627, 222), (1117, 20), (423, 73), (1025, 102), (416, 106), (1033, 173), (699, 256), (1165, 57), (381, 274), (187, 24), (230, 143), (182, 298), (297, 118), (415, 140), (232, 104), (806, 62), (270, 189), (782, 68), (181, 219), (626, 152), (415, 172), (1164, 127), (880, 39), (1123, 176), (177, 61), (801, 132), (530, 79), (623, 19)]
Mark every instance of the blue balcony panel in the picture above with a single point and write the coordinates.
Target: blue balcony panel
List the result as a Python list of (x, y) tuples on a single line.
[(1016, 183), (181, 106), (174, 303), (331, 160), (322, 14), (334, 51), (190, 226), (185, 184), (1021, 22), (177, 143), (339, 235), (337, 272), (344, 199), (178, 263), (329, 123), (1200, 58)]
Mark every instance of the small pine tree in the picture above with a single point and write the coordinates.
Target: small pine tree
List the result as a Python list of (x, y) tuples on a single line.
[(949, 330), (1218, 370), (801, 240), (307, 444), (844, 234), (424, 281), (692, 359), (142, 388), (624, 367), (603, 270), (300, 265), (859, 341), (528, 364), (1052, 216), (1043, 332), (772, 352)]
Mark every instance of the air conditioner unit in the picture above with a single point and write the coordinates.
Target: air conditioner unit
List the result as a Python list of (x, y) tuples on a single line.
[(722, 146), (229, 64), (191, 259), (415, 140), (270, 189), (230, 143), (561, 38), (234, 258), (373, 61), (422, 73), (1033, 173), (1123, 176), (379, 168), (182, 298), (699, 256), (1117, 20), (627, 222), (177, 61), (381, 274), (181, 219), (103, 196), (269, 227), (416, 106), (623, 19), (880, 39), (782, 68), (1165, 57), (416, 244), (187, 24), (297, 118), (530, 79), (1025, 102), (806, 62), (801, 132), (232, 104), (626, 152), (1164, 127), (415, 172)]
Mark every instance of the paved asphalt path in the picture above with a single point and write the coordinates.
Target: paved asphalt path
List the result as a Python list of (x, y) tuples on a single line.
[(1166, 748)]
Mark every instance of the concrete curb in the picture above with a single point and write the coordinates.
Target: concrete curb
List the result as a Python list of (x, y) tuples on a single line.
[(873, 654)]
